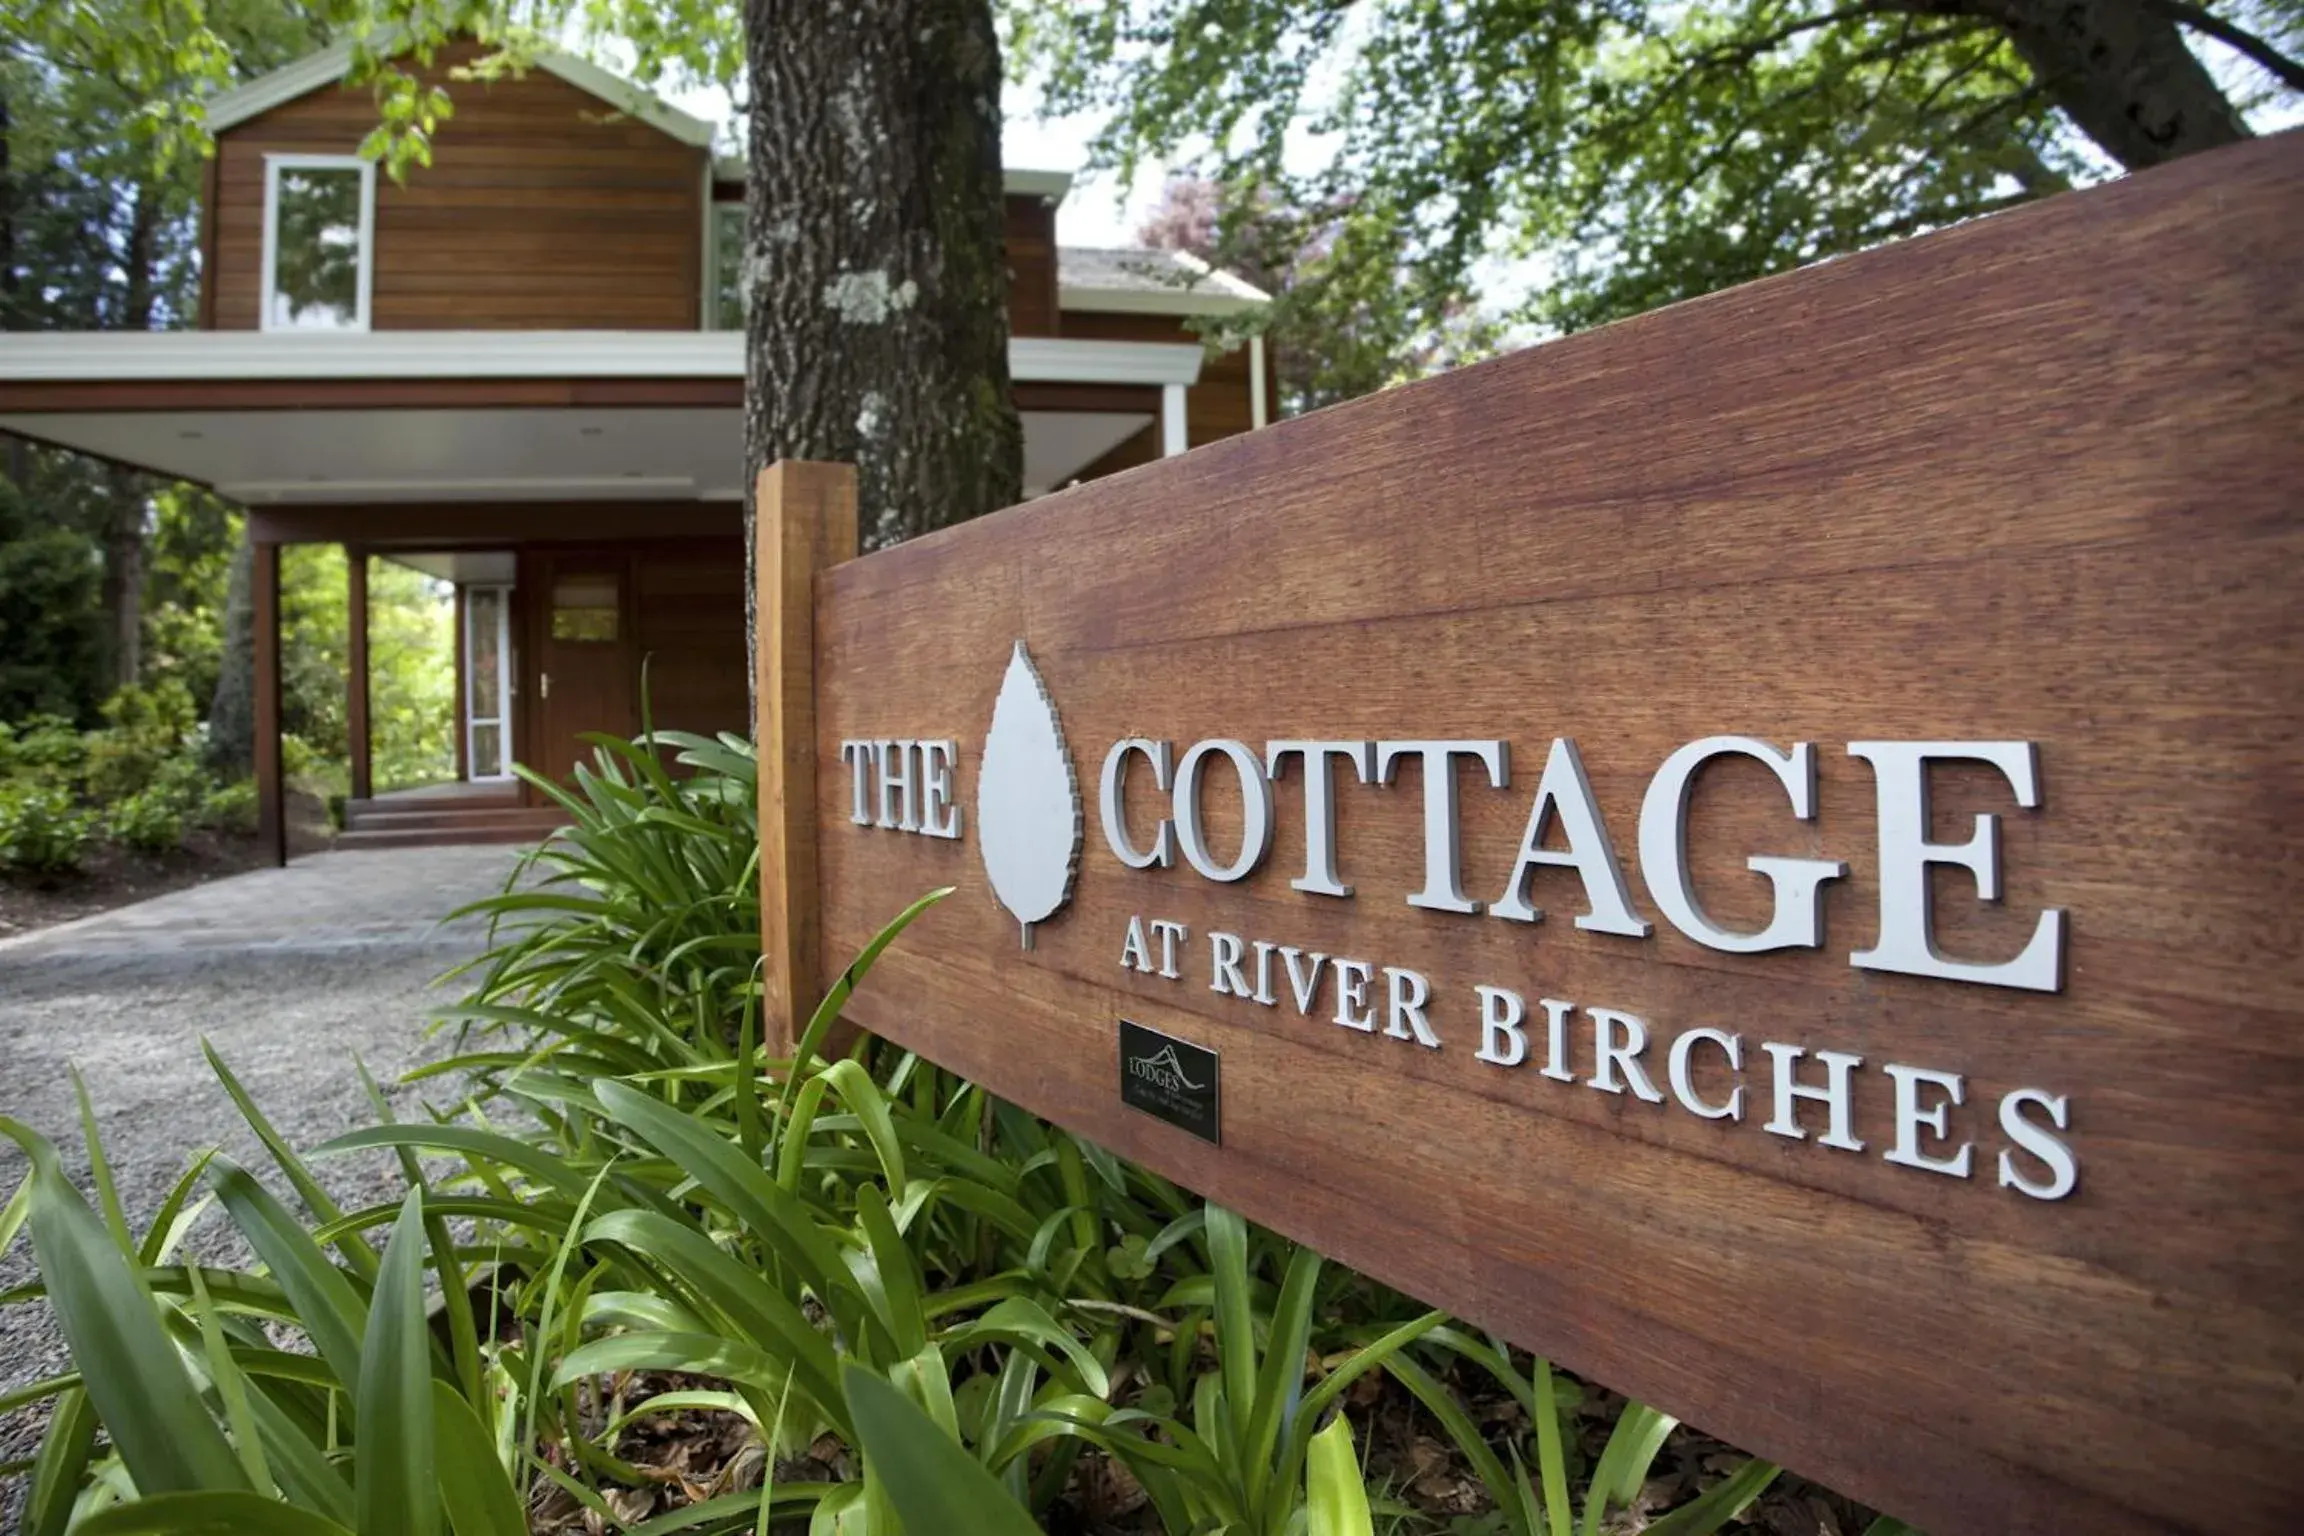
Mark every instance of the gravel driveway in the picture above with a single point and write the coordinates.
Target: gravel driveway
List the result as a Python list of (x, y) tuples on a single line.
[(287, 973)]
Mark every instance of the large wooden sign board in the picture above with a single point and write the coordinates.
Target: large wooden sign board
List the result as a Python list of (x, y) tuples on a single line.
[(1818, 777)]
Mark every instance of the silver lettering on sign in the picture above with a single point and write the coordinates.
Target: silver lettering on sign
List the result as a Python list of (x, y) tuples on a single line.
[(1443, 876), (1911, 1119), (2063, 1172), (1406, 994), (1796, 920), (895, 763), (1502, 1040), (939, 807), (1135, 953), (1617, 1041), (1255, 810), (858, 755), (1320, 877), (1303, 982), (1834, 1095), (1684, 1085), (1907, 941), (1111, 803), (1352, 1010), (1564, 789), (1171, 933)]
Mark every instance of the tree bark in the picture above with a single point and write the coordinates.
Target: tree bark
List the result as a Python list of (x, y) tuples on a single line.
[(232, 713), (878, 324), (123, 589), (2120, 70), (123, 540)]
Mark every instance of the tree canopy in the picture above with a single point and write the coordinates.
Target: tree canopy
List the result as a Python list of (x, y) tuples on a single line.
[(1632, 153)]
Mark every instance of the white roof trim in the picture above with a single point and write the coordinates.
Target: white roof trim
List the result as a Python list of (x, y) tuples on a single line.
[(64, 357), (1138, 301), (229, 109)]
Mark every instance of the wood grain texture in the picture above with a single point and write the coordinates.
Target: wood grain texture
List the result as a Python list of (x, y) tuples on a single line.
[(805, 526), (489, 524), (356, 671), (2032, 478), (543, 209), (1220, 405), (271, 776), (1028, 237)]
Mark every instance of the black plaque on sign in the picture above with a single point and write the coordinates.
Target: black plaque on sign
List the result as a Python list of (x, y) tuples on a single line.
[(1169, 1078)]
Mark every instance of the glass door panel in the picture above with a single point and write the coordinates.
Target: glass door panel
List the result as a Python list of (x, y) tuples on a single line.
[(488, 680)]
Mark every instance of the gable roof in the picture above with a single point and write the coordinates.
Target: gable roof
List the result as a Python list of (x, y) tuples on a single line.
[(1145, 281), (318, 71)]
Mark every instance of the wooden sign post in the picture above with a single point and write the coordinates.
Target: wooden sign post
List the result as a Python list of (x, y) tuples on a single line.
[(1754, 851)]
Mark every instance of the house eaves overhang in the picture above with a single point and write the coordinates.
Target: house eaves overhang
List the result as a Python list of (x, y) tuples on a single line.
[(455, 417), (67, 361)]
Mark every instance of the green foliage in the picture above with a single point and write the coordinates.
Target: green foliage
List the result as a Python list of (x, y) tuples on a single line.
[(411, 660), (857, 1245), (1613, 157), (41, 831), (50, 637), (149, 821), (145, 729), (44, 749)]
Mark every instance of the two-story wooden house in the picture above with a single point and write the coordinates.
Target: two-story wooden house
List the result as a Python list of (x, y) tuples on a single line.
[(523, 373)]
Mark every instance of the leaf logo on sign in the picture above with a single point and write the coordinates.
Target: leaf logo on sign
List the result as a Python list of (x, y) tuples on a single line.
[(1027, 800)]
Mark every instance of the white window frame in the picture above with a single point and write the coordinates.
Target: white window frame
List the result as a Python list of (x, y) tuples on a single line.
[(473, 719), (273, 166), (713, 213)]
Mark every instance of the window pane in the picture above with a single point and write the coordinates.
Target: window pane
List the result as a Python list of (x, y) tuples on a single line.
[(487, 751), (316, 249), (585, 608), (728, 266), (485, 603)]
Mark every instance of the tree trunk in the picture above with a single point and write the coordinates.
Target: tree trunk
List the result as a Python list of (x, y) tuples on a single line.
[(2121, 71), (232, 713), (878, 291), (123, 590), (124, 514)]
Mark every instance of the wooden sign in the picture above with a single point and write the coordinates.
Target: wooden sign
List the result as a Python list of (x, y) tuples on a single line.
[(1754, 851)]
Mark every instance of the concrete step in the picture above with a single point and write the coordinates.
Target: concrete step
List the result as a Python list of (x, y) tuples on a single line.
[(441, 837), (544, 817)]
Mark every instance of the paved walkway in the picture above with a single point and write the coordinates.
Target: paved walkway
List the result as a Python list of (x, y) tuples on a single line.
[(286, 972)]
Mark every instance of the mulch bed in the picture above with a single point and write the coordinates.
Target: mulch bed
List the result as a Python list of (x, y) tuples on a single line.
[(691, 1456)]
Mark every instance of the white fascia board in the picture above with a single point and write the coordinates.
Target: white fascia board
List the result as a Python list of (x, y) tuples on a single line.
[(1184, 302), (228, 109), (62, 357), (55, 357), (628, 97), (315, 71), (1059, 360), (1052, 185)]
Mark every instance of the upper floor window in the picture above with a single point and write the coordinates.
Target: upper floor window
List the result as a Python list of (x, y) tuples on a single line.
[(726, 301), (319, 242)]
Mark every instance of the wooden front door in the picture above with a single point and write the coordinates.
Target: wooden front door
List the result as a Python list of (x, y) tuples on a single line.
[(584, 656)]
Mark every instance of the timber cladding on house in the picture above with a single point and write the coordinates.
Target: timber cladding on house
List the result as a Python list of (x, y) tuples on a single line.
[(543, 209), (1752, 851), (523, 372)]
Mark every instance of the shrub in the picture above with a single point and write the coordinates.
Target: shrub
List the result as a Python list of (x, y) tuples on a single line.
[(45, 749), (150, 821), (145, 729), (967, 1299), (230, 808), (41, 832)]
